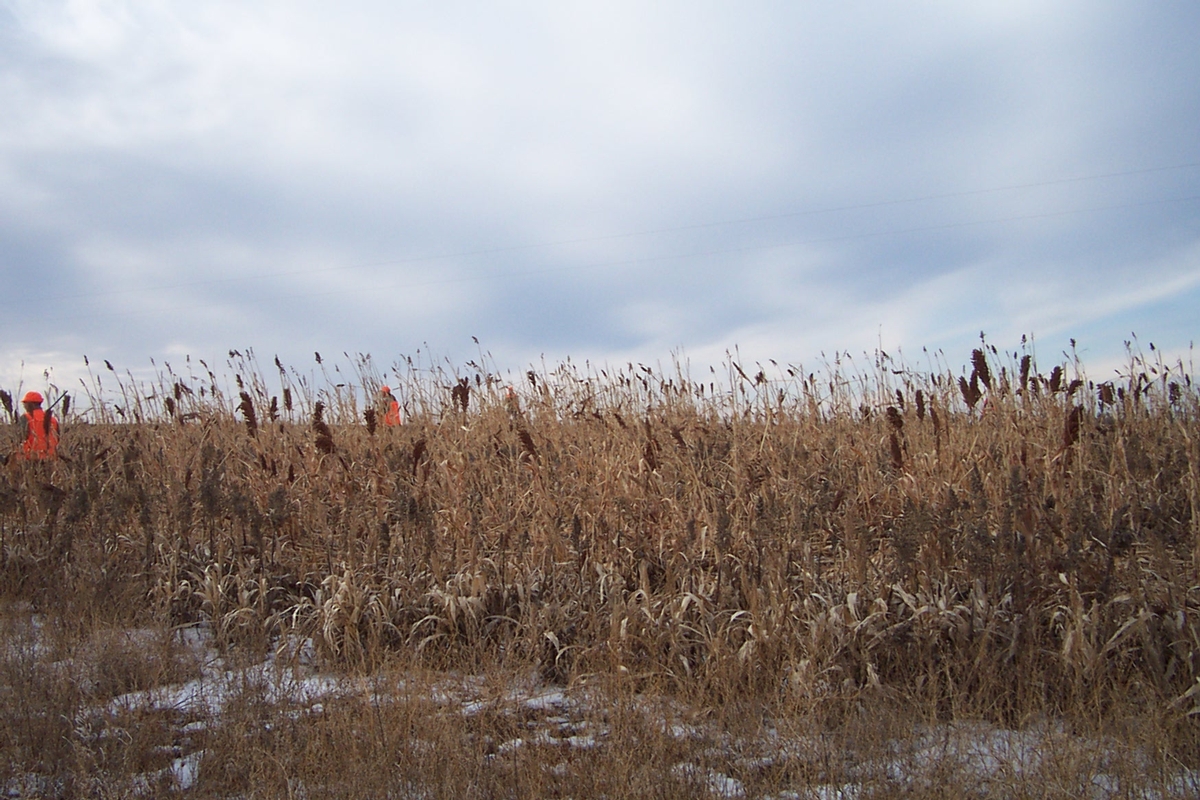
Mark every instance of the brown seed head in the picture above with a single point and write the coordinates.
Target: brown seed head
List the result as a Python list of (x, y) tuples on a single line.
[(1056, 376), (980, 365), (1071, 427), (247, 409)]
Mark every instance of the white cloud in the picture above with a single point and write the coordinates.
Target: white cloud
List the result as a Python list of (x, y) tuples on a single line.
[(231, 171)]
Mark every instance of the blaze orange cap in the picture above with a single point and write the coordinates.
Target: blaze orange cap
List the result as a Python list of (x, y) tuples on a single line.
[(32, 397), (386, 390)]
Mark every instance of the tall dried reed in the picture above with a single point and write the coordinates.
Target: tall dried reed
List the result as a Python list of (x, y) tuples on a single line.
[(771, 532)]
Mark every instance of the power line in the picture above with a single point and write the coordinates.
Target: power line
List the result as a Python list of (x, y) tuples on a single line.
[(628, 235)]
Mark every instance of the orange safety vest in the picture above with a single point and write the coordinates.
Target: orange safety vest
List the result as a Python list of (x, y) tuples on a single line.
[(392, 415), (41, 435)]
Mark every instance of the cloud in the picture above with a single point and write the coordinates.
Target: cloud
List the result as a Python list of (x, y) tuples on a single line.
[(601, 182)]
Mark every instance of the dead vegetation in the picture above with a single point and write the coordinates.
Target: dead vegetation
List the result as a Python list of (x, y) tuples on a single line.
[(999, 546)]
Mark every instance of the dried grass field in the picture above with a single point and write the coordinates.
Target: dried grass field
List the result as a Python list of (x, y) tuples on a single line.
[(863, 581)]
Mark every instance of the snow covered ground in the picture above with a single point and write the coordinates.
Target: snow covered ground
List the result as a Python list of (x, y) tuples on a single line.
[(975, 754)]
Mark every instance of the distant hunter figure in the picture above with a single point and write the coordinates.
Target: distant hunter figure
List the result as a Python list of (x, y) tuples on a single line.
[(40, 429), (388, 407), (511, 403)]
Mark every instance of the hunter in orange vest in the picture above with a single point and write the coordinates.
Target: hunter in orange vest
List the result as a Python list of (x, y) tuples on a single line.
[(40, 429), (389, 407)]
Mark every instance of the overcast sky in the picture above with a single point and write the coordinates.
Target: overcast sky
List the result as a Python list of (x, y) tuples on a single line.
[(605, 181)]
